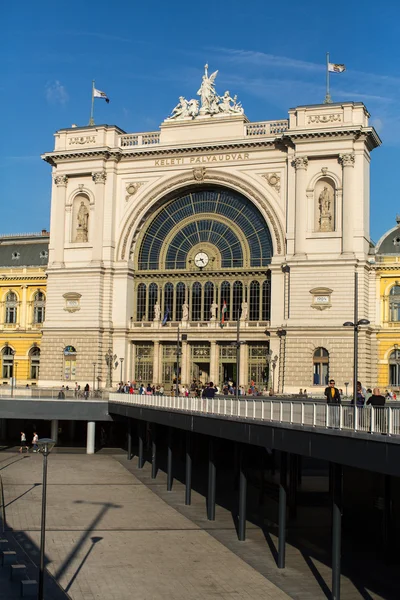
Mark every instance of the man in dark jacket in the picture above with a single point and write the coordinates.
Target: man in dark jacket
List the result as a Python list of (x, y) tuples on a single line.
[(376, 399), (332, 393)]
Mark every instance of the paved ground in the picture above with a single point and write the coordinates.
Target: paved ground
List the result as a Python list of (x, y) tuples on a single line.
[(110, 537)]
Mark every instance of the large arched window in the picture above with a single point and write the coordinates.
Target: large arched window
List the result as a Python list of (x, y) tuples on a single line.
[(39, 302), (141, 302), (321, 366), (180, 300), (8, 362), (266, 298), (394, 368), (208, 300), (196, 301), (225, 299), (153, 297), (34, 363), (254, 301), (11, 307), (168, 302), (394, 303), (237, 300)]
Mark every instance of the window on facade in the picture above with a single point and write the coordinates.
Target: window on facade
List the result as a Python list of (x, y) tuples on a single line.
[(69, 363), (208, 300), (11, 307), (225, 298), (254, 314), (196, 301), (321, 366), (237, 299), (141, 302), (394, 303), (7, 363), (153, 297), (266, 299), (168, 301), (39, 307), (180, 300), (34, 360), (394, 368)]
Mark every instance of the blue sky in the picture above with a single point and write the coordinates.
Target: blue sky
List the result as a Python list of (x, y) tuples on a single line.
[(145, 54)]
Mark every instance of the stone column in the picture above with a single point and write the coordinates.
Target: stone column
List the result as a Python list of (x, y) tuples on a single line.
[(156, 362), (214, 362), (300, 227), (90, 439), (244, 366), (96, 228), (347, 161), (185, 361), (58, 218), (23, 321), (54, 430)]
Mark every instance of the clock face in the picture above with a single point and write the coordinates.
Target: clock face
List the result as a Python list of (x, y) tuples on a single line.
[(201, 259)]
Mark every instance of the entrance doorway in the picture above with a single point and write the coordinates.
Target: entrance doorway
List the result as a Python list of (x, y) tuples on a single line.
[(227, 372), (201, 372)]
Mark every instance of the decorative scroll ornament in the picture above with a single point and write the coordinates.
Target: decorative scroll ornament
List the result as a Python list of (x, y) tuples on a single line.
[(132, 188), (61, 180), (210, 102), (199, 174), (274, 180), (347, 160), (337, 117), (99, 177), (301, 162)]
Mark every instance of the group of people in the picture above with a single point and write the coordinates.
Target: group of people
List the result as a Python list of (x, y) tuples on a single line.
[(24, 444), (364, 396)]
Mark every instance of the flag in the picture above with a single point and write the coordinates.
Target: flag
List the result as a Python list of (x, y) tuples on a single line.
[(223, 311), (99, 94), (334, 68), (165, 319)]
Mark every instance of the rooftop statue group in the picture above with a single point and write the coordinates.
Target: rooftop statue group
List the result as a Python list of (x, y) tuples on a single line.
[(211, 103)]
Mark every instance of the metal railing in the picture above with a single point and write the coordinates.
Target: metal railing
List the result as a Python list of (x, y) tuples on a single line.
[(34, 393), (368, 419)]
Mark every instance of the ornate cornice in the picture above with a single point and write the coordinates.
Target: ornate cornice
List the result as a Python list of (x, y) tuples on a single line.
[(7, 278), (197, 274)]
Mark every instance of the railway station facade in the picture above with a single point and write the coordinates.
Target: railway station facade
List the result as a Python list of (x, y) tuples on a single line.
[(211, 227)]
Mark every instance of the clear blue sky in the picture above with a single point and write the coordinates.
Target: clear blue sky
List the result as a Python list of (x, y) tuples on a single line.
[(145, 54)]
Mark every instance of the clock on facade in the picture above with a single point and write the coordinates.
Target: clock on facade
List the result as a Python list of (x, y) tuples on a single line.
[(201, 260)]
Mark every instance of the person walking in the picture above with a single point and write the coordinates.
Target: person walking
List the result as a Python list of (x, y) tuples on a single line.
[(86, 391), (23, 443), (35, 440), (333, 398)]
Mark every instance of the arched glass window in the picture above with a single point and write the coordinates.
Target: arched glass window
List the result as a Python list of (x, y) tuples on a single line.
[(208, 300), (168, 302), (394, 303), (196, 301), (394, 368), (141, 302), (8, 362), (39, 302), (254, 301), (11, 307), (225, 299), (34, 363), (180, 300), (266, 298), (153, 297), (321, 366), (237, 299)]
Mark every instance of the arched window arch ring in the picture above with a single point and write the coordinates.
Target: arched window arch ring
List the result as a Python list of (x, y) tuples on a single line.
[(336, 180)]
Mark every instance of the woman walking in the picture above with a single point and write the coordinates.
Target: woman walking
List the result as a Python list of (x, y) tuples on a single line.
[(23, 443)]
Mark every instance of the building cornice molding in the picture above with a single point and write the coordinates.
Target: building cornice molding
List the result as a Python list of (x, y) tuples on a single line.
[(8, 278)]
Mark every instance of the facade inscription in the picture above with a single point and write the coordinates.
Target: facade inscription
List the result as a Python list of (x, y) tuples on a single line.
[(207, 158)]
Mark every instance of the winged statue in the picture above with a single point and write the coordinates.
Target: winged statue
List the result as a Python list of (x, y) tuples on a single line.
[(207, 93)]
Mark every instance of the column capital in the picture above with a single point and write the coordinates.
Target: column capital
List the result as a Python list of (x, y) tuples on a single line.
[(99, 177), (347, 160), (61, 180), (300, 162)]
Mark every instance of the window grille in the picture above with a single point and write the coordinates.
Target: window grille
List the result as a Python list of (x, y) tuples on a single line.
[(196, 301), (141, 302), (208, 300), (180, 300), (254, 314)]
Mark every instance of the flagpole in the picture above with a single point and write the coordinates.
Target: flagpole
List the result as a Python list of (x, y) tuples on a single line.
[(91, 121), (328, 99)]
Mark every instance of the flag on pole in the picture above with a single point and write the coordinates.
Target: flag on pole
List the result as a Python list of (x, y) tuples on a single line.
[(99, 94), (223, 312), (334, 68), (165, 319)]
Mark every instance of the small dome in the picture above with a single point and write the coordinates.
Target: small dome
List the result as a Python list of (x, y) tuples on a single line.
[(389, 242)]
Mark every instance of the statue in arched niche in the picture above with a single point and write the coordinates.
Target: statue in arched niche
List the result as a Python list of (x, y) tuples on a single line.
[(325, 206), (83, 223)]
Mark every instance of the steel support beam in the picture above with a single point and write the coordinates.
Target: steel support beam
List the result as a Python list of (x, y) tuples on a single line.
[(337, 504), (153, 451), (169, 460), (212, 472), (188, 474), (282, 511), (129, 453), (140, 445), (242, 494)]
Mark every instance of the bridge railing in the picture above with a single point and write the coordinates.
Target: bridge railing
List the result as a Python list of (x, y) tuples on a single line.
[(369, 419)]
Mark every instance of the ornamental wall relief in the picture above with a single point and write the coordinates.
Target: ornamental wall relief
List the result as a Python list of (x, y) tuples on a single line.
[(72, 301), (132, 188), (321, 298), (274, 180)]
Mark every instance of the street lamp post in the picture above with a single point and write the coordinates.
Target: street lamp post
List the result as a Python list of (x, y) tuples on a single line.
[(237, 344), (12, 372), (347, 385), (356, 326), (281, 333), (121, 360), (109, 358), (94, 376), (45, 446), (274, 361), (178, 354)]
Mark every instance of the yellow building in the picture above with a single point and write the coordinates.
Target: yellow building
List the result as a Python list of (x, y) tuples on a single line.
[(23, 264), (388, 291)]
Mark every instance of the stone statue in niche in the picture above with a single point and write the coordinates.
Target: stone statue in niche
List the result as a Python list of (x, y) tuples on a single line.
[(213, 311), (325, 210), (185, 312), (157, 311), (245, 311), (83, 223)]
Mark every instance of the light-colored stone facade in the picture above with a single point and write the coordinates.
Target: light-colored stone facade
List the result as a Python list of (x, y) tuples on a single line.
[(305, 179)]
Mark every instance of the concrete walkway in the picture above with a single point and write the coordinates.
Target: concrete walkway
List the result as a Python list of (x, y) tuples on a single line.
[(110, 537)]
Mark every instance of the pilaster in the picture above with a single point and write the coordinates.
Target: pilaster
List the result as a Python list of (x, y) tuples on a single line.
[(347, 161), (58, 223), (99, 179), (300, 163)]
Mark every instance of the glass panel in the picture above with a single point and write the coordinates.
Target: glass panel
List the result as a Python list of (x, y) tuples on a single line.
[(225, 299), (237, 299), (266, 299), (254, 301), (153, 297), (141, 302), (168, 302), (208, 300), (196, 301), (180, 300)]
